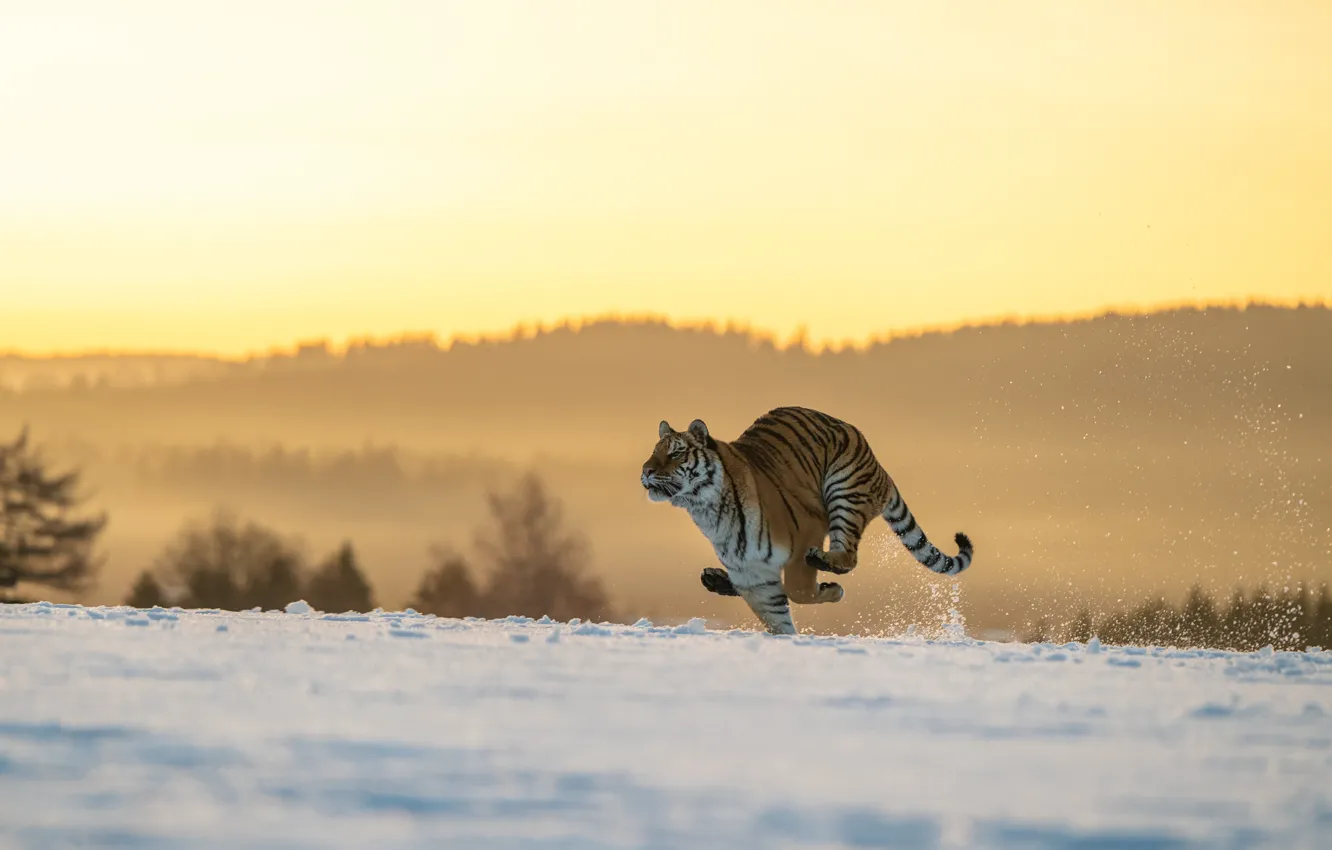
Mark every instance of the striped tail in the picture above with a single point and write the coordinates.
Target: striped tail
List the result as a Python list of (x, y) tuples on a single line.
[(913, 537)]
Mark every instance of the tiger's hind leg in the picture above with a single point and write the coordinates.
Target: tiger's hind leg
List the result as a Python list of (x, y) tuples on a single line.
[(718, 582), (830, 591), (804, 588), (837, 563), (844, 533), (849, 511)]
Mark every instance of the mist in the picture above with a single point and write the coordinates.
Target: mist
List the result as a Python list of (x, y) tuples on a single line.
[(1092, 462)]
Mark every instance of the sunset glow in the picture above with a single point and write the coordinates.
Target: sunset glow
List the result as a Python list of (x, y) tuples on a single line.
[(228, 177)]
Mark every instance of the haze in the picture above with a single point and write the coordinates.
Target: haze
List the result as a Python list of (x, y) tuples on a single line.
[(1094, 463)]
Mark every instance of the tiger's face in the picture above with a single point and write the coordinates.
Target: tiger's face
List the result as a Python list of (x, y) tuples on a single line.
[(681, 463)]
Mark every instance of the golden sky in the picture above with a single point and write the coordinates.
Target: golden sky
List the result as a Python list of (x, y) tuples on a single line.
[(228, 176)]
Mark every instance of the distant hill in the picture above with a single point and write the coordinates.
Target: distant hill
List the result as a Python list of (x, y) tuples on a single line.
[(1087, 459)]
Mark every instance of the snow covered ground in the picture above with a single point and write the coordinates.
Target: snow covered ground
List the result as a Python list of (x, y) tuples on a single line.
[(180, 729)]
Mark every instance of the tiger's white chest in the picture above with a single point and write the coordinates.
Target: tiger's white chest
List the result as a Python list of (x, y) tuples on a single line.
[(754, 553), (734, 525), (741, 541)]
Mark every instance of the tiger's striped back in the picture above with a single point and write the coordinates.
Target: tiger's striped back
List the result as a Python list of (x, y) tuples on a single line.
[(808, 451)]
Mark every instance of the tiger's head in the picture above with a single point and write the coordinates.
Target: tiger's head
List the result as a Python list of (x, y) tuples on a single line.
[(682, 464)]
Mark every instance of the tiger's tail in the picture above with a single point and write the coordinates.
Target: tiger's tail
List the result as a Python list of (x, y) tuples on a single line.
[(913, 537)]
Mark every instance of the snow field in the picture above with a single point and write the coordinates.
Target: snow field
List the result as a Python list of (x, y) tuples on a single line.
[(129, 728)]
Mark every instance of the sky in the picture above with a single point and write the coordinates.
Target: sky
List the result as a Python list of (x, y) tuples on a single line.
[(225, 177)]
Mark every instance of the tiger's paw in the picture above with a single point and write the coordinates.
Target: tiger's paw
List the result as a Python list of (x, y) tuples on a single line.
[(821, 560), (718, 582), (830, 591)]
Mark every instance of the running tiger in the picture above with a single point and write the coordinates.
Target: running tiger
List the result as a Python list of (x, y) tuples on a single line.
[(768, 499)]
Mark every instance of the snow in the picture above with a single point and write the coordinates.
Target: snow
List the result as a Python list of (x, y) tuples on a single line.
[(123, 727)]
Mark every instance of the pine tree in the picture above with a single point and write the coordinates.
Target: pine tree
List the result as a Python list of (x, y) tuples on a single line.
[(339, 585), (275, 584), (1320, 627), (1265, 615), (1287, 627), (41, 542), (146, 592), (1082, 627), (1236, 627), (1151, 624), (1199, 621), (448, 590), (1038, 631)]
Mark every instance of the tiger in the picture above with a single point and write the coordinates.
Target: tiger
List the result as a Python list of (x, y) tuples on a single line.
[(769, 499)]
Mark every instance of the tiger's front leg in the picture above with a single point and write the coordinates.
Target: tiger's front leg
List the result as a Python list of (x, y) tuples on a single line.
[(768, 601)]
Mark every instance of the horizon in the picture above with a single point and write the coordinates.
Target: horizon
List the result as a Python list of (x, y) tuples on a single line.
[(796, 339)]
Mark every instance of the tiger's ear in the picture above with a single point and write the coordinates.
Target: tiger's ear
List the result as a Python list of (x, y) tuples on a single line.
[(664, 428), (699, 431)]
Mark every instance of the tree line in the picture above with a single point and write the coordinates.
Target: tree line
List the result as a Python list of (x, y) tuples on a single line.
[(530, 565), (528, 561), (1291, 619)]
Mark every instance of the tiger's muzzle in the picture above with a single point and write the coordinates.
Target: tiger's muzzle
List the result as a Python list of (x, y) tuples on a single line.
[(658, 489)]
